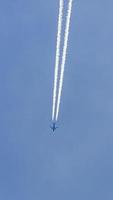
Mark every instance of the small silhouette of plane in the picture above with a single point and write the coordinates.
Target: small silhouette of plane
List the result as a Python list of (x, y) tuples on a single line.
[(53, 127)]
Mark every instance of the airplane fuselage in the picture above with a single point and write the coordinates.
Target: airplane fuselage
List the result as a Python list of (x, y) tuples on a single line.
[(53, 127)]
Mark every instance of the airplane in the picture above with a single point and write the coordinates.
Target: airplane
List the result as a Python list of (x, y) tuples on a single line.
[(53, 127)]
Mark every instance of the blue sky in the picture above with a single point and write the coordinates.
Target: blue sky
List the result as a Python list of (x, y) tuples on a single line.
[(76, 162)]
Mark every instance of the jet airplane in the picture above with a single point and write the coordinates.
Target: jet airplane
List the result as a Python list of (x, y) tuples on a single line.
[(53, 127)]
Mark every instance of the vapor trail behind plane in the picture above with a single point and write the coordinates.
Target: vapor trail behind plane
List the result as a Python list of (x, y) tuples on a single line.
[(64, 56), (60, 17)]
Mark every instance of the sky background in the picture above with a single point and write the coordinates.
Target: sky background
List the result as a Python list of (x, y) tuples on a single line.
[(77, 161)]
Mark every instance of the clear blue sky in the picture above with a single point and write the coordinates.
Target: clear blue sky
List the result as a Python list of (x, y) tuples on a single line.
[(77, 162)]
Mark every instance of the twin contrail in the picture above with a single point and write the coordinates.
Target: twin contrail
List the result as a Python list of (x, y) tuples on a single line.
[(58, 86), (61, 4)]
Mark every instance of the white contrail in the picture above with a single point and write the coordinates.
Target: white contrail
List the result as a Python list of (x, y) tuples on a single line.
[(64, 55), (60, 17)]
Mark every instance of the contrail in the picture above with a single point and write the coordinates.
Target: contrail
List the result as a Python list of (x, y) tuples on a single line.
[(60, 17), (64, 55)]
